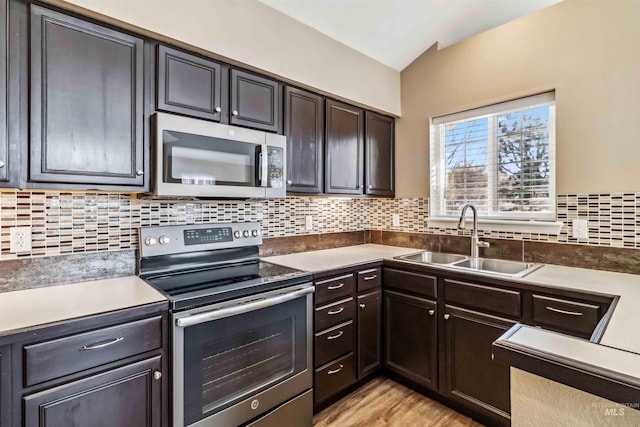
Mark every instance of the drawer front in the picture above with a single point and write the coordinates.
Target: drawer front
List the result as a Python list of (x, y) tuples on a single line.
[(419, 284), (565, 315), (335, 288), (484, 298), (333, 314), (53, 359), (334, 377), (333, 343), (369, 279)]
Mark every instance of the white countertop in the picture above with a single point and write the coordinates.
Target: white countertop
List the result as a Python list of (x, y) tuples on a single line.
[(332, 259), (20, 310), (621, 332)]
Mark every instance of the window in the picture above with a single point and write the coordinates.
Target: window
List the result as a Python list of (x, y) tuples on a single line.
[(500, 158)]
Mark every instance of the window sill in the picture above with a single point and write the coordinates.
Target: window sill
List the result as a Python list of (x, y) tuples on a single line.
[(514, 226)]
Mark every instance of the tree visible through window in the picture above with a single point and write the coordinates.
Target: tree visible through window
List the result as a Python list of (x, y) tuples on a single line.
[(500, 158)]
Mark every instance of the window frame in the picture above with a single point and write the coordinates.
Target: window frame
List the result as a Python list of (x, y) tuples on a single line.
[(438, 158)]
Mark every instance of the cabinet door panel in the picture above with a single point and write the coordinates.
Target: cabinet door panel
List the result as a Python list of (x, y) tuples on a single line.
[(127, 396), (344, 150), (5, 387), (255, 101), (86, 102), (472, 376), (379, 155), (369, 333), (411, 337), (5, 160), (188, 84), (304, 129)]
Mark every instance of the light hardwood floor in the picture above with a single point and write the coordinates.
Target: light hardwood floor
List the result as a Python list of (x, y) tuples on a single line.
[(383, 402)]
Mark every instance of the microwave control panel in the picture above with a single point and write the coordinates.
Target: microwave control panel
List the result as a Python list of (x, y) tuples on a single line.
[(275, 160)]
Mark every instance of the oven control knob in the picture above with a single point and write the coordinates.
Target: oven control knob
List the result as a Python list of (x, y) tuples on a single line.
[(246, 233), (150, 241), (163, 240), (254, 233), (237, 234)]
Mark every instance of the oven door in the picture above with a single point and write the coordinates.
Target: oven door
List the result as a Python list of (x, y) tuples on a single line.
[(236, 360)]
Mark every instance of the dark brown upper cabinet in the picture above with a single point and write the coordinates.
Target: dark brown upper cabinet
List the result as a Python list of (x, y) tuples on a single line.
[(379, 153), (344, 148), (256, 101), (304, 129), (4, 93), (190, 85), (86, 119)]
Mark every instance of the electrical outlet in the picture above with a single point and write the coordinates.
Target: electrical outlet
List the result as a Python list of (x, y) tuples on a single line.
[(20, 239), (395, 220), (308, 223), (580, 229)]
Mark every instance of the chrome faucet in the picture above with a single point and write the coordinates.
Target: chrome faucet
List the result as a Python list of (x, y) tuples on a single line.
[(475, 242)]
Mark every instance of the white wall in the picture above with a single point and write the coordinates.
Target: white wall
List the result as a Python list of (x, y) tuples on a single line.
[(249, 32)]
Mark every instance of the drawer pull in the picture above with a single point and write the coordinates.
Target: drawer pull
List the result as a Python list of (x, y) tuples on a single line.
[(333, 287), (338, 311), (557, 310), (335, 371), (375, 276), (101, 345), (333, 337)]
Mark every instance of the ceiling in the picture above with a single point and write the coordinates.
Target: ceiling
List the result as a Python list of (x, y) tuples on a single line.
[(395, 32)]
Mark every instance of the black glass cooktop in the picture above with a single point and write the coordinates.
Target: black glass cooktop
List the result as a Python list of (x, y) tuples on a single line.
[(195, 287)]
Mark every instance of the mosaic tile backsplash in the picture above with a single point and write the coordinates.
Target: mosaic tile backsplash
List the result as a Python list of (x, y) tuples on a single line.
[(64, 223)]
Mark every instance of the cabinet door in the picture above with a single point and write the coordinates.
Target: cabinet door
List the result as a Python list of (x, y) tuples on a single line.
[(344, 151), (127, 396), (379, 155), (411, 344), (4, 93), (5, 387), (86, 102), (472, 377), (256, 101), (369, 333), (304, 129), (188, 84)]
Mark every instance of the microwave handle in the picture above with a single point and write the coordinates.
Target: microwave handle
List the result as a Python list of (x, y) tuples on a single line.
[(262, 165)]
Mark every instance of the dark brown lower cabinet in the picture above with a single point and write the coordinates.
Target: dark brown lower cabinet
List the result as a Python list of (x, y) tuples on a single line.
[(472, 377), (127, 396), (411, 344), (5, 387), (369, 333)]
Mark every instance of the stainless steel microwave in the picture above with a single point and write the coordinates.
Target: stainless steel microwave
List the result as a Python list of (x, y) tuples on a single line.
[(200, 159)]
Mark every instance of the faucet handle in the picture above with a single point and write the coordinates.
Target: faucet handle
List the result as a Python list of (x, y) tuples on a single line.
[(483, 244)]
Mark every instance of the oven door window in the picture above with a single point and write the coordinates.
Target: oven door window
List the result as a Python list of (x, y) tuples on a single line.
[(203, 160), (232, 358)]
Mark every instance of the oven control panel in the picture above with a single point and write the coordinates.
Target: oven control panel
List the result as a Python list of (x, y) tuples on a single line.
[(174, 239)]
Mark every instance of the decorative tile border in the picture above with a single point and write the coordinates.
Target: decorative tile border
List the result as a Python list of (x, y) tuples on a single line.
[(74, 222)]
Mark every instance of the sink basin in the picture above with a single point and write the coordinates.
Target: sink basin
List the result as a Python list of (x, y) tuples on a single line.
[(497, 266), (433, 257)]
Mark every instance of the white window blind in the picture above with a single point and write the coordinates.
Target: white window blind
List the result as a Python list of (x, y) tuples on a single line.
[(501, 158)]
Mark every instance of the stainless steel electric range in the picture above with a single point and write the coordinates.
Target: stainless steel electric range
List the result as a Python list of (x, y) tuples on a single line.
[(242, 328)]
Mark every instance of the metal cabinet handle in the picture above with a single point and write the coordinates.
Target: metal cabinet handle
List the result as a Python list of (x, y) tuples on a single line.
[(335, 371), (234, 112), (363, 305), (338, 335), (338, 311), (432, 312), (139, 172), (361, 186), (1, 164), (332, 287), (218, 109), (557, 310), (157, 375), (289, 182), (101, 345), (446, 317), (375, 276)]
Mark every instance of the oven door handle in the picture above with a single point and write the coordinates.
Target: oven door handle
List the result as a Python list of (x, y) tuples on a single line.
[(208, 316)]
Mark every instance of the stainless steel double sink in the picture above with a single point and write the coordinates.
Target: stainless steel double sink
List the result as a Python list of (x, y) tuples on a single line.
[(497, 267)]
